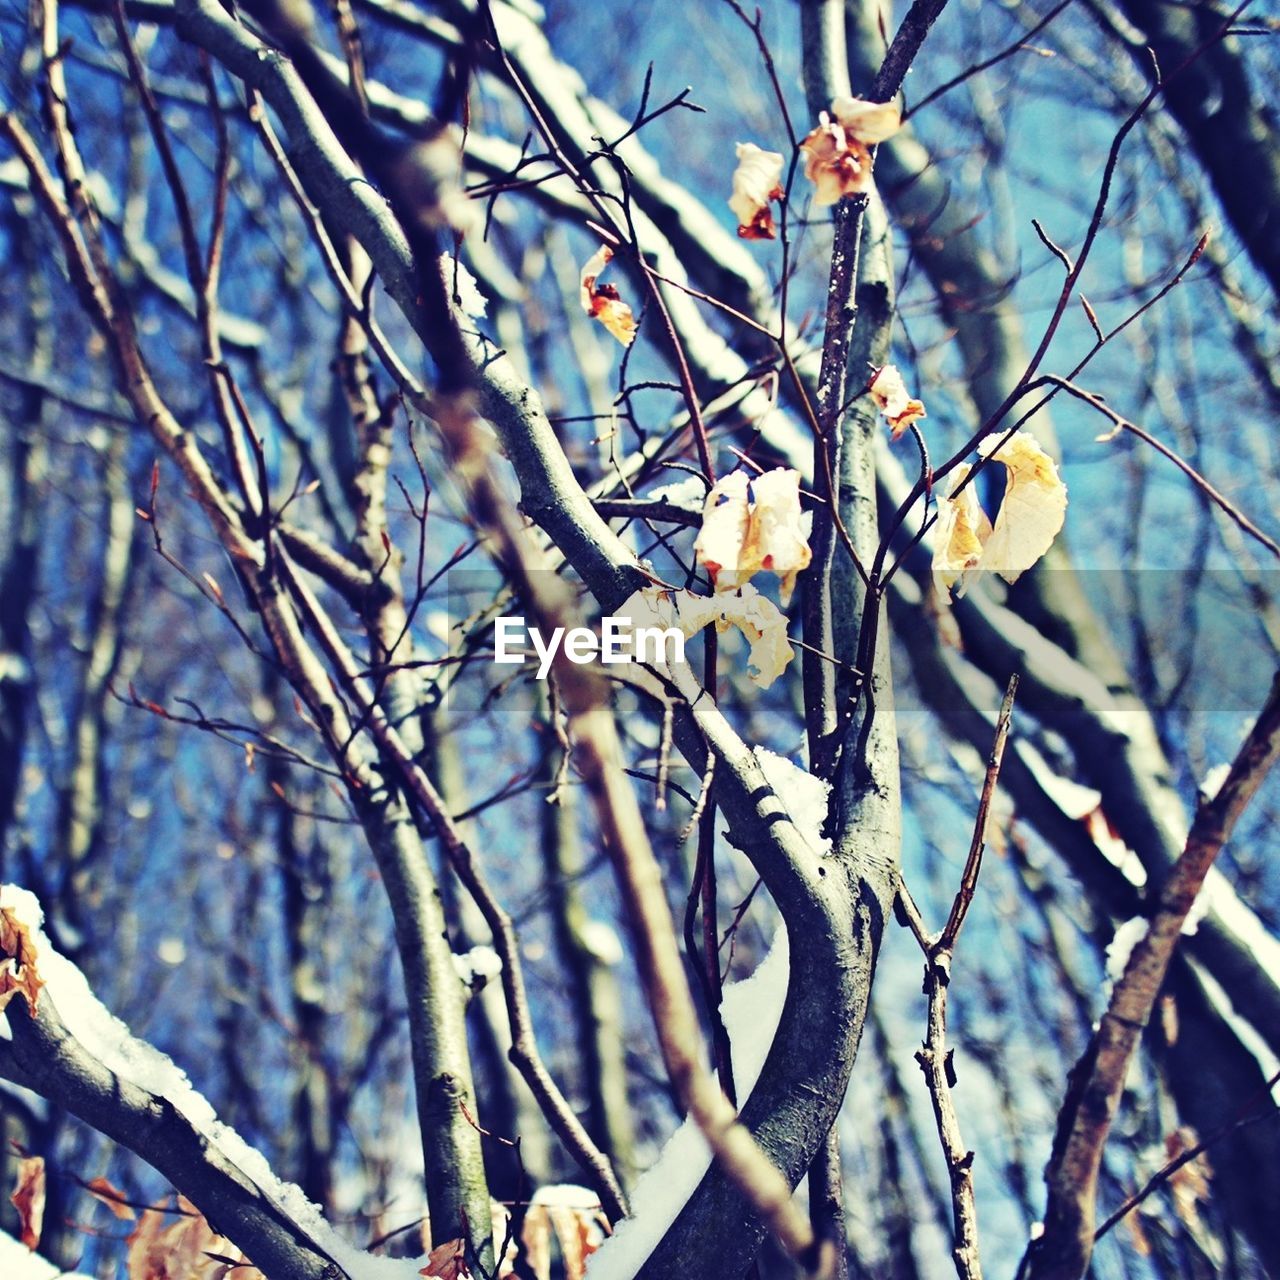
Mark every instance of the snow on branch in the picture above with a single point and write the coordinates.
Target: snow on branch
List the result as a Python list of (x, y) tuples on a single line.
[(752, 1009), (73, 1051)]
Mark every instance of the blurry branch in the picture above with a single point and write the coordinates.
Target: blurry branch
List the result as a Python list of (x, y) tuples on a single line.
[(144, 262), (1170, 1169), (45, 1057), (81, 799), (911, 1201), (595, 990), (987, 63), (510, 1110), (1231, 130), (22, 471), (316, 1104), (87, 263), (1096, 1082), (203, 266)]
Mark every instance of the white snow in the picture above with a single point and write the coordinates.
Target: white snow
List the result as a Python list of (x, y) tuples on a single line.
[(751, 1011), (690, 494), (565, 1195), (112, 1043), (1239, 919), (1214, 779), (1245, 1032), (1120, 948), (602, 941), (479, 962), (17, 1262), (462, 285), (804, 797)]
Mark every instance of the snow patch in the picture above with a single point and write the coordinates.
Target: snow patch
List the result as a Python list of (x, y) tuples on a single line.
[(690, 494), (565, 1195), (603, 942), (463, 287), (1214, 779), (1120, 948), (1227, 909), (751, 1011), (17, 1262), (1245, 1032), (803, 796), (479, 962)]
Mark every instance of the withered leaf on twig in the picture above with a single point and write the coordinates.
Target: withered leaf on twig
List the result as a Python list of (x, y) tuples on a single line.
[(28, 1198)]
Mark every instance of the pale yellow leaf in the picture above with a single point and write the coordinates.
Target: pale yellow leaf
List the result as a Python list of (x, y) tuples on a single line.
[(894, 400), (573, 1215), (756, 181), (749, 525), (726, 517), (869, 122), (756, 616), (778, 538), (1033, 510), (961, 530)]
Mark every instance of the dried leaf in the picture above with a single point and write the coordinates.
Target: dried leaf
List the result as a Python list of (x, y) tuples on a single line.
[(756, 181), (1033, 510), (28, 1199), (756, 616), (1031, 514), (603, 301), (187, 1249), (1189, 1183), (839, 149), (448, 1261), (726, 521), (754, 524), (869, 122), (779, 534), (894, 401), (574, 1216), (18, 974), (837, 164), (112, 1197), (960, 532)]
